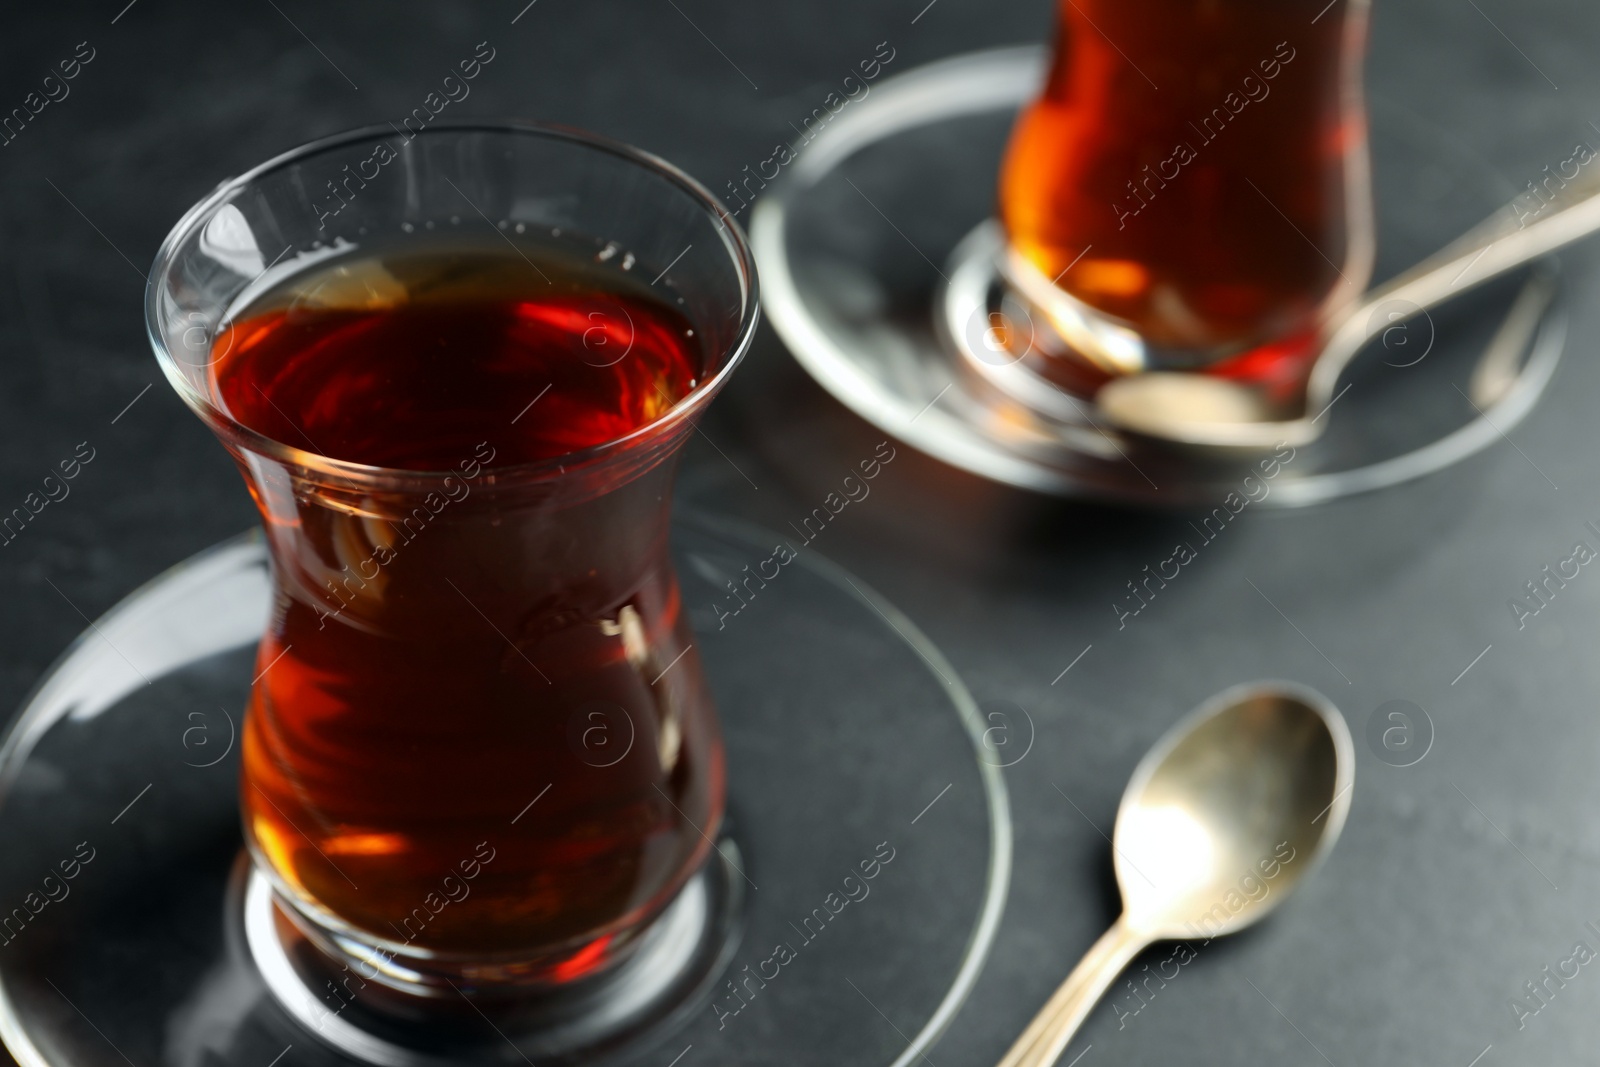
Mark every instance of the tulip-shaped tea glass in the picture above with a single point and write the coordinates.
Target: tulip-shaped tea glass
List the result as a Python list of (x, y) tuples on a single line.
[(456, 368), (1190, 191)]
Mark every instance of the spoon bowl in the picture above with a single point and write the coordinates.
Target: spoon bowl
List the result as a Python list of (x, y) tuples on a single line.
[(1231, 810)]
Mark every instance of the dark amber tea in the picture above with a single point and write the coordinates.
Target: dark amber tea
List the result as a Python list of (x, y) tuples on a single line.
[(480, 729), (1195, 170), (415, 359)]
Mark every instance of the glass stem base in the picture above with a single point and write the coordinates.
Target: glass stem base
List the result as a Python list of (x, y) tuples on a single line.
[(370, 1015), (1022, 340)]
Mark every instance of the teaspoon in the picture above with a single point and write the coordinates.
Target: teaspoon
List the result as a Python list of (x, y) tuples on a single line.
[(1197, 409), (1229, 811)]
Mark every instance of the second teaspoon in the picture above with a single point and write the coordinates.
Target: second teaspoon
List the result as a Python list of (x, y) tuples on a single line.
[(1186, 408)]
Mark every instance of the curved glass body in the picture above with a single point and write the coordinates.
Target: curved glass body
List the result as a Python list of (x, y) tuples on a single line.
[(1194, 177), (479, 746)]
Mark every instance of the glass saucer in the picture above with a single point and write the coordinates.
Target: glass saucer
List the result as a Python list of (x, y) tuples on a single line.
[(860, 235), (852, 747)]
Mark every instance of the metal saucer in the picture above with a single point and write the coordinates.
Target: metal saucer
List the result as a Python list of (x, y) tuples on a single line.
[(859, 241)]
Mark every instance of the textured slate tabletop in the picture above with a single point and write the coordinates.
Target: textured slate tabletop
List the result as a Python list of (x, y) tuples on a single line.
[(1459, 879)]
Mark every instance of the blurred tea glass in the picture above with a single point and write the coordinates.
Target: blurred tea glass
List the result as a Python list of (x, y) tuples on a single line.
[(1190, 191), (480, 751)]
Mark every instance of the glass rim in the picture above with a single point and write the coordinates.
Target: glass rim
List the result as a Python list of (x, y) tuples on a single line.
[(238, 434)]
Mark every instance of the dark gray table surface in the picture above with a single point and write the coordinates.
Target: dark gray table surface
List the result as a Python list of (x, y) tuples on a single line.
[(1459, 878)]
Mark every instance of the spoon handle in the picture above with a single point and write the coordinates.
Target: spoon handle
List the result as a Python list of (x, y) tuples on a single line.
[(1050, 1031), (1521, 231)]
